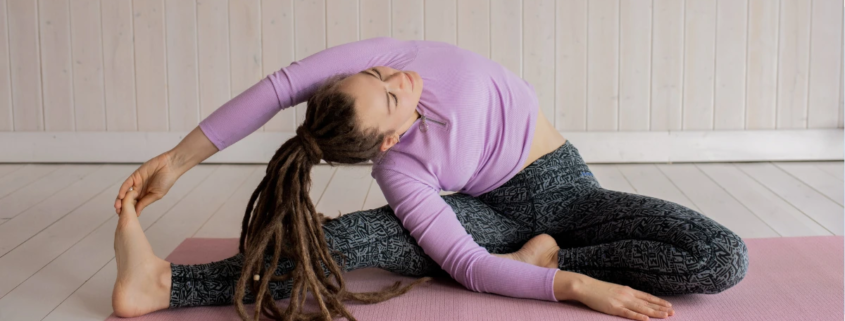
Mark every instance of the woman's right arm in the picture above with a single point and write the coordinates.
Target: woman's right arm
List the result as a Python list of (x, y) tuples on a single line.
[(155, 177), (254, 107), (297, 82), (192, 150)]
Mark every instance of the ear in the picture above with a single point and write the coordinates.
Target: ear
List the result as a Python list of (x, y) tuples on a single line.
[(389, 141)]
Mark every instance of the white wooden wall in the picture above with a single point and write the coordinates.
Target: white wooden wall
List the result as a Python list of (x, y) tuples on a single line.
[(597, 66)]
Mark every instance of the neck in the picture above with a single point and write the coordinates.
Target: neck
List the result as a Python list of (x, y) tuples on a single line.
[(409, 123)]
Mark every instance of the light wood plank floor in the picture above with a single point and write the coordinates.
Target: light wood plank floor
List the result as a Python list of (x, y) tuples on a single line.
[(57, 221)]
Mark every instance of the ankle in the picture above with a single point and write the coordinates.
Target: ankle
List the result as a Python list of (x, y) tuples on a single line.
[(164, 276), (552, 257)]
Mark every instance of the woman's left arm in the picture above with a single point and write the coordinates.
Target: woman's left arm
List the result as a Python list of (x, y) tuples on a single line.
[(435, 227)]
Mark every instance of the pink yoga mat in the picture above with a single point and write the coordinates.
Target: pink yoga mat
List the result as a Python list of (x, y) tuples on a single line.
[(795, 278)]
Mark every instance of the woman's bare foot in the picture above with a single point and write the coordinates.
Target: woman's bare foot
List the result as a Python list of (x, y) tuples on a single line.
[(541, 250), (143, 280)]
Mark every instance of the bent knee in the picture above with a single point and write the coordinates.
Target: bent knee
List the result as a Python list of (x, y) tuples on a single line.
[(729, 265)]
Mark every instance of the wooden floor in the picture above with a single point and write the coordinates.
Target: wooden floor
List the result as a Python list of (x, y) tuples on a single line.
[(57, 221)]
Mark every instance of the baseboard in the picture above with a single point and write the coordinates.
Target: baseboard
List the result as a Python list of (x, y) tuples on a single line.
[(595, 147)]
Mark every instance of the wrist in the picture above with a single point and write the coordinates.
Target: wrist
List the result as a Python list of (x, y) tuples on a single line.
[(192, 150), (568, 285), (178, 161)]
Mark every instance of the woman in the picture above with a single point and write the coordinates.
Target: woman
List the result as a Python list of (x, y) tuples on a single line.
[(432, 117)]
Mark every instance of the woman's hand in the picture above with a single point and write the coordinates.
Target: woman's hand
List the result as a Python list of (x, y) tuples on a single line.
[(152, 181), (623, 301)]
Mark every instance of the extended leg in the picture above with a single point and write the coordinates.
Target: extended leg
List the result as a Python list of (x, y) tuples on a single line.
[(370, 238)]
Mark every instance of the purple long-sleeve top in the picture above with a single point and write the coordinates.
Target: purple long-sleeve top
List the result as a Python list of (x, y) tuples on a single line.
[(480, 121)]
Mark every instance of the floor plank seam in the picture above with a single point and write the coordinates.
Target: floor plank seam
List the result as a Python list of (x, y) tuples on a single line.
[(698, 208), (77, 289), (334, 171), (183, 197), (366, 196), (15, 170), (782, 198), (30, 183), (806, 184), (738, 201), (224, 203), (55, 258), (616, 168), (826, 171), (61, 217)]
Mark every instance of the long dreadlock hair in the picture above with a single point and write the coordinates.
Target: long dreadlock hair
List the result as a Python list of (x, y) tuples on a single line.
[(285, 217)]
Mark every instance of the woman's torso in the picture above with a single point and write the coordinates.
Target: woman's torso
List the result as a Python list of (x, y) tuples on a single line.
[(481, 122), (546, 139)]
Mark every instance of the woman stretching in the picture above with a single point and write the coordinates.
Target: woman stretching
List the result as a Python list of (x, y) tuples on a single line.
[(431, 117)]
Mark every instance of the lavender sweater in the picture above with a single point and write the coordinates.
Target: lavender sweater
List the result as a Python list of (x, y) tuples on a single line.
[(480, 121)]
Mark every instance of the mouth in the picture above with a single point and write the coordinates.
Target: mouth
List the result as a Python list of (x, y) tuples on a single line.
[(411, 80)]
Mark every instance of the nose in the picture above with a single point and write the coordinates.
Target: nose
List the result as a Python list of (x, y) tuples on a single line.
[(399, 80)]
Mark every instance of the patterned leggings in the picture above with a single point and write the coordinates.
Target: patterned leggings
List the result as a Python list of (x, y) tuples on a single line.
[(649, 244)]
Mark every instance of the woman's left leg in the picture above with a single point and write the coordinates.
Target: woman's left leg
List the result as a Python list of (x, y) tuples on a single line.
[(650, 244)]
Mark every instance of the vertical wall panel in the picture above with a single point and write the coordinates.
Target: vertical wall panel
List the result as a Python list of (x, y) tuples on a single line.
[(571, 65), (634, 64), (441, 20), (26, 68), (119, 65), (699, 64), (375, 18), (825, 64), (793, 64), (506, 38), (213, 54), (182, 69), (407, 19), (277, 44), (538, 52), (729, 94), (5, 83), (842, 92), (667, 64), (244, 44), (150, 65), (474, 26), (342, 22), (54, 30), (762, 64), (603, 65), (310, 37), (87, 44)]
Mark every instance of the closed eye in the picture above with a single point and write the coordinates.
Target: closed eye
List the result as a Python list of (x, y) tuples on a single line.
[(395, 99)]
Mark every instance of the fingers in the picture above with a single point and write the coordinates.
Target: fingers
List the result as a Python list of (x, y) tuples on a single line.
[(130, 198), (659, 307), (652, 299), (121, 193), (633, 315), (648, 305), (146, 200), (649, 309), (126, 185)]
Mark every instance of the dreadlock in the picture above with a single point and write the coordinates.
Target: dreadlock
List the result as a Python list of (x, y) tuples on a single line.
[(285, 217)]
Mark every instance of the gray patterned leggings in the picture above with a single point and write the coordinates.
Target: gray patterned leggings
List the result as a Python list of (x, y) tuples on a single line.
[(649, 244)]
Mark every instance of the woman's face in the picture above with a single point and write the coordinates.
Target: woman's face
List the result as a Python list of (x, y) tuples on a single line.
[(385, 98)]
